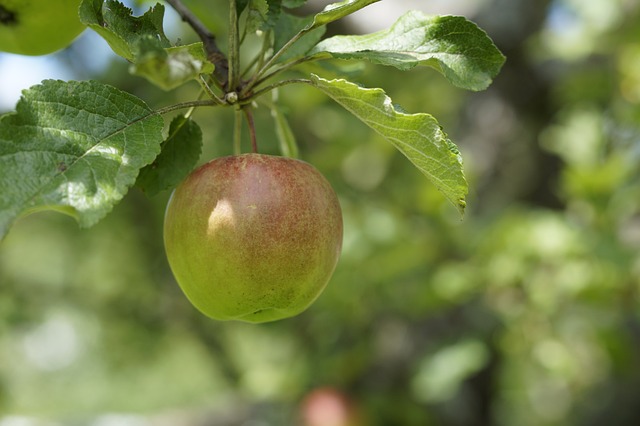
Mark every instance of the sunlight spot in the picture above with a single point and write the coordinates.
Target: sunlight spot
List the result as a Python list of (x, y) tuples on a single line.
[(440, 375), (52, 345), (222, 214)]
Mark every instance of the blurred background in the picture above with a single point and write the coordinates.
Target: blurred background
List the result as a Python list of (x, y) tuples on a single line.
[(524, 313)]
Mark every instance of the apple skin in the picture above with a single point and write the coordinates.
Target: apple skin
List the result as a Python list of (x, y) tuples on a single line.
[(253, 237), (38, 27)]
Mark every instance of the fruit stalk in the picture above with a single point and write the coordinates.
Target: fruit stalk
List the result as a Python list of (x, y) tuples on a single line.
[(252, 128)]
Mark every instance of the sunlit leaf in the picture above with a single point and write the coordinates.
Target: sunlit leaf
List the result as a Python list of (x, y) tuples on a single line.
[(74, 147), (293, 3), (339, 10), (418, 136), (141, 40), (172, 67), (453, 45), (114, 22)]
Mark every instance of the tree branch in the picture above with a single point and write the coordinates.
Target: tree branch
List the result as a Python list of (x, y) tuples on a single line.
[(214, 54)]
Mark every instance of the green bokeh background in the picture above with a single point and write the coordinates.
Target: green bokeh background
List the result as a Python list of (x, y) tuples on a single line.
[(524, 313)]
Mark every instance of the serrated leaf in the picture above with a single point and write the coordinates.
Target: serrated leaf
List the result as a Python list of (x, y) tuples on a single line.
[(74, 147), (141, 40), (286, 138), (262, 14), (339, 10), (273, 14), (257, 11), (418, 136), (123, 32), (453, 45), (179, 155), (172, 67)]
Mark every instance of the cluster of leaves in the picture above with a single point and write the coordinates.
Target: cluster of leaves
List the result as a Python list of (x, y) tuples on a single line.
[(77, 147)]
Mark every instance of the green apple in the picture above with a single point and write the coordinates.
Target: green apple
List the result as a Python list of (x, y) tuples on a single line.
[(253, 237), (38, 27)]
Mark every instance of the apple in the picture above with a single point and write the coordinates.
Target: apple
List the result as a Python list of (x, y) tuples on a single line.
[(253, 237), (38, 27), (327, 406)]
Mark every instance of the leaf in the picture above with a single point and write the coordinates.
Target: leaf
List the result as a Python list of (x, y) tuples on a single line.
[(275, 13), (262, 14), (179, 155), (292, 4), (288, 26), (172, 67), (124, 32), (286, 138), (257, 12), (241, 5), (418, 136), (74, 147), (336, 11), (141, 40), (454, 46)]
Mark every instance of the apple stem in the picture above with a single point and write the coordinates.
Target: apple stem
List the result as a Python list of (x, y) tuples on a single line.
[(252, 129), (237, 133)]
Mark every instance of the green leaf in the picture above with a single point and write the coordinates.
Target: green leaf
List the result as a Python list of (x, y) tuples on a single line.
[(263, 14), (454, 46), (124, 32), (288, 26), (174, 66), (179, 155), (141, 40), (292, 4), (286, 138), (418, 136), (241, 5), (339, 10), (257, 11), (74, 147)]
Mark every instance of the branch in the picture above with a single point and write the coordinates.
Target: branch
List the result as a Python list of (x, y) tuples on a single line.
[(214, 54), (234, 43)]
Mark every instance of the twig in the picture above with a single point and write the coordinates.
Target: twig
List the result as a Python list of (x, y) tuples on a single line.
[(284, 67), (259, 58), (214, 54), (267, 89), (251, 83), (208, 90), (183, 105)]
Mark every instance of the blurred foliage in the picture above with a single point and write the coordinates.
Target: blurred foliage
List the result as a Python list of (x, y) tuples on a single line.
[(525, 313)]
